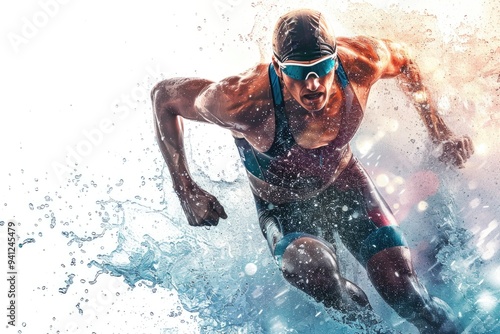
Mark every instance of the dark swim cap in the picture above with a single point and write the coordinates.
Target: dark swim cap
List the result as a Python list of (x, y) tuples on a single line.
[(302, 35)]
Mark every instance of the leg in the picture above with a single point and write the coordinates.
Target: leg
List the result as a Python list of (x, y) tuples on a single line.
[(392, 274), (310, 264), (370, 232), (307, 261)]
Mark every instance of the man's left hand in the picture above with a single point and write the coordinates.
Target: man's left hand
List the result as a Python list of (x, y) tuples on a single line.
[(457, 150)]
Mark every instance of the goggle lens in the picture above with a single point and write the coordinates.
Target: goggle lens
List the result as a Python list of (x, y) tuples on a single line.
[(304, 71)]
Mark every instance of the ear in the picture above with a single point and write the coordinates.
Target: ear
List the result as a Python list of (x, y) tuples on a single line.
[(276, 66)]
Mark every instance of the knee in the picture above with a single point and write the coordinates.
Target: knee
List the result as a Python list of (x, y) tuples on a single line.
[(310, 264), (310, 260), (393, 276), (392, 264), (392, 270)]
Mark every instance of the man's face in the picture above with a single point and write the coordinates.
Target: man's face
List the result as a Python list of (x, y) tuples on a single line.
[(312, 93)]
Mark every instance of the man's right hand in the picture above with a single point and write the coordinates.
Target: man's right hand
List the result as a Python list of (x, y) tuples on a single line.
[(201, 208)]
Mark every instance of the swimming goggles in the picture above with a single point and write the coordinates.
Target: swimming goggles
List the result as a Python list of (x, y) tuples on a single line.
[(300, 71)]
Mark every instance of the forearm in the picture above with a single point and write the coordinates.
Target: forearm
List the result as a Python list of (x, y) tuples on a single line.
[(173, 100), (200, 207), (455, 150), (396, 61), (169, 130), (170, 137), (411, 83)]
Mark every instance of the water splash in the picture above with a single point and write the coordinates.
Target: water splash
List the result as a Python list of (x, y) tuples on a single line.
[(80, 240), (207, 282)]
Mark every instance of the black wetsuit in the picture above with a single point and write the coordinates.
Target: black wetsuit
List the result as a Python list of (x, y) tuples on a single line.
[(351, 205)]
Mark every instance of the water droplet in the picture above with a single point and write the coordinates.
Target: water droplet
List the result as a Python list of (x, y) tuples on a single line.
[(27, 241), (250, 269)]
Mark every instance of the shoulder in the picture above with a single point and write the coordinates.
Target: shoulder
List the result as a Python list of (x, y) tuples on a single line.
[(237, 101), (367, 59), (241, 85)]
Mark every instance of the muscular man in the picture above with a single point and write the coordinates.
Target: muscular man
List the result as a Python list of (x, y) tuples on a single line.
[(292, 121)]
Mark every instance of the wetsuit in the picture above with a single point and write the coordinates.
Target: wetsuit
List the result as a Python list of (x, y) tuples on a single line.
[(351, 205)]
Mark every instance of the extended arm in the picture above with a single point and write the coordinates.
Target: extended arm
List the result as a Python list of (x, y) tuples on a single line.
[(172, 101), (456, 150)]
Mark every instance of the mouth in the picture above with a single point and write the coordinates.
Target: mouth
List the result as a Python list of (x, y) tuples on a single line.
[(313, 97)]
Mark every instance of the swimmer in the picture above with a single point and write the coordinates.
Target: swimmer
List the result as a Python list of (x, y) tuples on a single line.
[(292, 120)]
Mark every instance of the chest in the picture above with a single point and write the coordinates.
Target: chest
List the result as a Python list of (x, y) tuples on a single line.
[(338, 122), (307, 131), (313, 130)]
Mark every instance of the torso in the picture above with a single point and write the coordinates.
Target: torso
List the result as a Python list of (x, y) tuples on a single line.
[(320, 152)]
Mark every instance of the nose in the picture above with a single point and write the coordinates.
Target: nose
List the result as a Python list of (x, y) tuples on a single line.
[(312, 83)]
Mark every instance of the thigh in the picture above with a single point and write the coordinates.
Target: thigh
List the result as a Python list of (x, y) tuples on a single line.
[(365, 224), (284, 223)]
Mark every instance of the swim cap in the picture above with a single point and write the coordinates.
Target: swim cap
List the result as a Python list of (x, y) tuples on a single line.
[(302, 35)]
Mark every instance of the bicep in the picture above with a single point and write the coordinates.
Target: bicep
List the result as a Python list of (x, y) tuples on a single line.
[(395, 58), (371, 59), (221, 102), (401, 64), (211, 104), (176, 97)]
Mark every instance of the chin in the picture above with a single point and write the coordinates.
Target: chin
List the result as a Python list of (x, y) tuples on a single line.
[(313, 105)]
